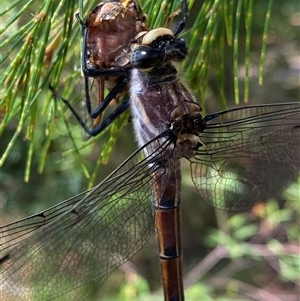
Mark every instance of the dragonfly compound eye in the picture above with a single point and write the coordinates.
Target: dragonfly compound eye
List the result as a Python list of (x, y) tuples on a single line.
[(176, 51), (144, 57)]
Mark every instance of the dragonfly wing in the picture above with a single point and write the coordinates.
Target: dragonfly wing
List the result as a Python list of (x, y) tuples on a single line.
[(13, 233), (248, 155), (83, 239)]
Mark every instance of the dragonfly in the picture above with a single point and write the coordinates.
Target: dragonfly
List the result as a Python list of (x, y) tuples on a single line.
[(237, 157)]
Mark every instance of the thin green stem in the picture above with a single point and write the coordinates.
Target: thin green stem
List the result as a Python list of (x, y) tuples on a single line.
[(264, 42)]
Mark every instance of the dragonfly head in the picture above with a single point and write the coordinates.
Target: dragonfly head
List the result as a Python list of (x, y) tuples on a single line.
[(157, 47)]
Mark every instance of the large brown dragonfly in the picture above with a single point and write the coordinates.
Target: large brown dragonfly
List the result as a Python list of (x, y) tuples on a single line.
[(238, 158)]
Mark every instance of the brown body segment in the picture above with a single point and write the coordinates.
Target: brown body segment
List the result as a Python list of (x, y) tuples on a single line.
[(167, 223)]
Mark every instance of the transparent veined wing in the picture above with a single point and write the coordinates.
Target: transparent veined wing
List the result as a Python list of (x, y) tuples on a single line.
[(81, 240), (248, 155)]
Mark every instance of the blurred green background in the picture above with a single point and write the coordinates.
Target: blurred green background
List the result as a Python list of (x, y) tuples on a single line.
[(248, 256)]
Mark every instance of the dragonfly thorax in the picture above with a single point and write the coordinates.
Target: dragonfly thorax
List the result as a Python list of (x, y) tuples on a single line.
[(186, 124)]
